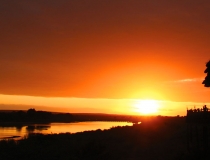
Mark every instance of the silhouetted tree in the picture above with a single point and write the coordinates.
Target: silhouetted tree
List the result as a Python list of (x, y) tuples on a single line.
[(206, 82), (31, 111)]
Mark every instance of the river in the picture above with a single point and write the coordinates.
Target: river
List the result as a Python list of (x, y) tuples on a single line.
[(21, 131)]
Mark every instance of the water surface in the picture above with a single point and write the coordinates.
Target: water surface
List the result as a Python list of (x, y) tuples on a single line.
[(21, 131)]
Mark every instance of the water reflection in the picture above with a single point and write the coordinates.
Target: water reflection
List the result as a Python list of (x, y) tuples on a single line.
[(19, 128), (32, 128), (21, 131)]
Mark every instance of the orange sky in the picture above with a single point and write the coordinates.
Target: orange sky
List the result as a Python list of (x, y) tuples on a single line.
[(105, 49)]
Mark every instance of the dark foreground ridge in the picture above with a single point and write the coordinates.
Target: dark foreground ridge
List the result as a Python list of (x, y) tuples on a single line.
[(157, 138)]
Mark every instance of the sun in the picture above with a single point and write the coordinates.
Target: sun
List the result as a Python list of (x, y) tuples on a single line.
[(147, 106)]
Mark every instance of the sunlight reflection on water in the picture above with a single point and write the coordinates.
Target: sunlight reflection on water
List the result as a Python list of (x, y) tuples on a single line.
[(21, 131)]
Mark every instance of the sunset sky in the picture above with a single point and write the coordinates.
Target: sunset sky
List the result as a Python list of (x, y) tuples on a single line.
[(104, 55)]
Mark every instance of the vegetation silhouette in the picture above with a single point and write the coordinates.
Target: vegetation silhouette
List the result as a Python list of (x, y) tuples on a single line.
[(33, 116), (156, 138), (198, 130), (198, 115), (206, 81), (37, 127)]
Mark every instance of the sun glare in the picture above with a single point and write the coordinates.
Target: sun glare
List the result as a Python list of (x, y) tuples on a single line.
[(147, 106)]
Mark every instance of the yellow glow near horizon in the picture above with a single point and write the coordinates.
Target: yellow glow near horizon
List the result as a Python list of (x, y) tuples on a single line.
[(97, 105), (147, 106)]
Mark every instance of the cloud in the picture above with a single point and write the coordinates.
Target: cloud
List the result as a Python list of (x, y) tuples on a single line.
[(187, 80)]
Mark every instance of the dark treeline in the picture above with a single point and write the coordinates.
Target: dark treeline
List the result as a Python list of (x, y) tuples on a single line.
[(33, 116), (105, 117), (158, 138), (198, 120), (199, 115)]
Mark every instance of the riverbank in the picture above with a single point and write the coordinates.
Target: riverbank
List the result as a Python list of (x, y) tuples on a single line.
[(154, 139)]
